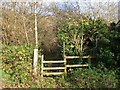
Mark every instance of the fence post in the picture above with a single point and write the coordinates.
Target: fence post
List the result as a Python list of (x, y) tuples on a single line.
[(42, 58), (89, 62), (64, 56), (65, 62), (35, 61)]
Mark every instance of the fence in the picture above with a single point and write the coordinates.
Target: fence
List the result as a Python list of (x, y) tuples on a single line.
[(48, 71)]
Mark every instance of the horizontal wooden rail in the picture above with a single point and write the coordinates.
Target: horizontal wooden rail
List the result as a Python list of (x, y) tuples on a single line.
[(39, 56), (53, 73), (82, 65), (53, 68), (53, 61), (71, 57)]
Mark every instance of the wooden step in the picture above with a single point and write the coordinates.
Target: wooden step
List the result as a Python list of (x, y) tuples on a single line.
[(53, 73), (53, 61), (53, 68), (82, 65)]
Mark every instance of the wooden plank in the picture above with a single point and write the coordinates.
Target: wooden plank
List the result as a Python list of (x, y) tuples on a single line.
[(63, 49), (71, 57), (53, 73), (42, 58), (89, 62), (53, 68), (82, 65), (39, 56), (53, 61), (65, 62)]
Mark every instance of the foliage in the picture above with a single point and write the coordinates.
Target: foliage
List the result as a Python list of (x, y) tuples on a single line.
[(84, 78), (96, 78), (115, 44), (109, 53), (98, 40), (17, 65), (82, 36), (106, 57), (69, 34)]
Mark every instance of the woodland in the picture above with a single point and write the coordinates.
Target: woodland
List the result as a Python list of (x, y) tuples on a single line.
[(85, 30)]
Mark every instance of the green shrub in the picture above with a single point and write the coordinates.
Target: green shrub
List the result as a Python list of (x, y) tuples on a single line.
[(106, 57), (97, 41), (92, 31), (17, 65), (84, 78), (87, 78)]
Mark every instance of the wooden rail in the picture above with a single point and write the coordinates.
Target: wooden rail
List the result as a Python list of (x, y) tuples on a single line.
[(53, 61), (44, 70), (82, 65), (53, 73), (72, 57), (53, 68)]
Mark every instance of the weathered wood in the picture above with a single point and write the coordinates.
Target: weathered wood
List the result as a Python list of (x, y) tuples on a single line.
[(72, 57), (81, 46), (42, 58), (65, 62), (35, 61), (63, 49), (53, 61), (82, 65), (53, 73), (39, 56), (53, 68), (89, 62)]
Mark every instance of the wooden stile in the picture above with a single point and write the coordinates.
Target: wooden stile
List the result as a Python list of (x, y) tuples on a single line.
[(44, 70)]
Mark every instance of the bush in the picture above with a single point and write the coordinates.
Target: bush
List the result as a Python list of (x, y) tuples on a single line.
[(106, 57), (109, 52), (98, 41), (84, 78), (87, 78), (17, 65), (82, 36)]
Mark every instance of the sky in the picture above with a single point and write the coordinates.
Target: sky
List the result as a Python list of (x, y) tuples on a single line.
[(82, 3), (58, 0)]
